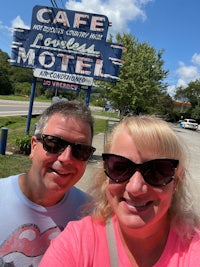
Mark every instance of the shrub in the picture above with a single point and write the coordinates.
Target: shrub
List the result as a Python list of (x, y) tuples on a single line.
[(24, 144)]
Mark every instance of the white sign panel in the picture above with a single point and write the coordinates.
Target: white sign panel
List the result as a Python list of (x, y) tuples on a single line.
[(63, 77)]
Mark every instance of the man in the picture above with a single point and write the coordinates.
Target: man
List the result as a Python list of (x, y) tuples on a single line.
[(35, 206)]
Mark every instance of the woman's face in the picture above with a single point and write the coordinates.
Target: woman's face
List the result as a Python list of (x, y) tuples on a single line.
[(137, 204)]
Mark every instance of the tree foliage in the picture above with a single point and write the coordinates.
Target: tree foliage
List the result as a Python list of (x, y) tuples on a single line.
[(191, 94), (141, 76), (12, 78), (5, 82)]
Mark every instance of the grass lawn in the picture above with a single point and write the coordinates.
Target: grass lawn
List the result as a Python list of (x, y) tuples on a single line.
[(13, 164)]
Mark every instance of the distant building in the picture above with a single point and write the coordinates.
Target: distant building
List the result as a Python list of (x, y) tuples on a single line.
[(182, 106)]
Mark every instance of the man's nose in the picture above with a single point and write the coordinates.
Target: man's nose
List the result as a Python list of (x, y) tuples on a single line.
[(66, 154)]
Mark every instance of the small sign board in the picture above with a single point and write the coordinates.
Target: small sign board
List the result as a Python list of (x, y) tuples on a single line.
[(61, 85), (63, 77)]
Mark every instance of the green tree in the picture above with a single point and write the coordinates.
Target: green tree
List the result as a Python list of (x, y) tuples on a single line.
[(165, 107), (21, 79), (141, 77), (191, 94), (13, 80), (5, 82)]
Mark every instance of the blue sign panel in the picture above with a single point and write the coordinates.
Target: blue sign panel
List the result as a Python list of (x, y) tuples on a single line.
[(83, 58), (70, 23), (63, 45)]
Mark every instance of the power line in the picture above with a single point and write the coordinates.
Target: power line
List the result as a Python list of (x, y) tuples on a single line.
[(53, 2), (62, 4)]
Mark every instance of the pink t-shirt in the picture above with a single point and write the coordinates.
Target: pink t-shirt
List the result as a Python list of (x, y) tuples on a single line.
[(84, 244)]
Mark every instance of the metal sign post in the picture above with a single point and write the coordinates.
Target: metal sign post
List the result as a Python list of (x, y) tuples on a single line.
[(87, 101), (28, 123)]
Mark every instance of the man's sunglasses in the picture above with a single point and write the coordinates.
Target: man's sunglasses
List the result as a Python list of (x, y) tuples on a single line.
[(156, 172), (57, 145)]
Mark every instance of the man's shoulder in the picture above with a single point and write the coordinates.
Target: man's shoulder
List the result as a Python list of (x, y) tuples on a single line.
[(9, 179), (76, 192), (77, 196)]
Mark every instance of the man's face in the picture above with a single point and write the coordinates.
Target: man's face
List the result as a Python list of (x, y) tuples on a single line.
[(59, 172)]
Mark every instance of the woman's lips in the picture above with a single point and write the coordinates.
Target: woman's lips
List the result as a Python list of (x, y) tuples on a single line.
[(139, 206)]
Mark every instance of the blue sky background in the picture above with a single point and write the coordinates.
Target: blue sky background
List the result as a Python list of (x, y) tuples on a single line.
[(172, 25)]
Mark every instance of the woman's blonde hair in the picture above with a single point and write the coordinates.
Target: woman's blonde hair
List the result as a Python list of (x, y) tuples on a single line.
[(156, 135)]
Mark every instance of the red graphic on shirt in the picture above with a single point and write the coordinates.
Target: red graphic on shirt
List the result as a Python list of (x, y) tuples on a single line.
[(29, 241)]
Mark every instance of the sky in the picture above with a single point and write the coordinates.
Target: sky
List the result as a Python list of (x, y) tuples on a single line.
[(169, 25)]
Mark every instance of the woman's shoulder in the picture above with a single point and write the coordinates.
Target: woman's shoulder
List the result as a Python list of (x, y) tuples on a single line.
[(80, 244), (86, 232)]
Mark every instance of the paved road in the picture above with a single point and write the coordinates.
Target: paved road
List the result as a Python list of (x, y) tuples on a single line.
[(191, 139), (18, 108)]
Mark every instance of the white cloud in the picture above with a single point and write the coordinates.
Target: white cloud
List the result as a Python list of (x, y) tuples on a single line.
[(119, 12), (186, 73), (181, 83), (171, 90), (196, 59)]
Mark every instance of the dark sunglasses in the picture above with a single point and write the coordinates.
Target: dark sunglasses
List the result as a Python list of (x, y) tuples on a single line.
[(57, 145), (156, 172)]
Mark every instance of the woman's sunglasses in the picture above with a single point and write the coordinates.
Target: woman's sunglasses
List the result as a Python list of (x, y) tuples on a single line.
[(156, 172), (56, 145)]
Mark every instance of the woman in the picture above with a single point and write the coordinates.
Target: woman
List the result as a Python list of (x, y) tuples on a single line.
[(142, 196)]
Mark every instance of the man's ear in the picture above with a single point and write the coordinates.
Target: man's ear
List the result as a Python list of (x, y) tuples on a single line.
[(33, 145)]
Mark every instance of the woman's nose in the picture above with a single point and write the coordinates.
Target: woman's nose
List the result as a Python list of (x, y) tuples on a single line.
[(136, 184)]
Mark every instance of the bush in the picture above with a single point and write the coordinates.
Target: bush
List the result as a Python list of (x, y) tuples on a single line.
[(24, 144)]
